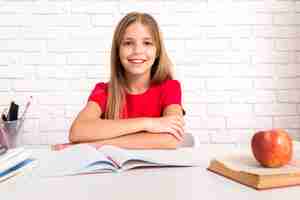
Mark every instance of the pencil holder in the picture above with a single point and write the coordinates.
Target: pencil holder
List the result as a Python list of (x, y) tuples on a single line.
[(11, 133)]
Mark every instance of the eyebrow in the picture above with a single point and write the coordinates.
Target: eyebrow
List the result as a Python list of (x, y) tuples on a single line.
[(131, 38)]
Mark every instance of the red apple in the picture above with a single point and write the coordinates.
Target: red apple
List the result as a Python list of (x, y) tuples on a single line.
[(272, 148)]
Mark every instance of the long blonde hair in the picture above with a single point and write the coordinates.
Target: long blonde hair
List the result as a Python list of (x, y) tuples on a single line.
[(160, 71)]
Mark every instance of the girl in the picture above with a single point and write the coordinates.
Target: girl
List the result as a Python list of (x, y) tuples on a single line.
[(140, 106)]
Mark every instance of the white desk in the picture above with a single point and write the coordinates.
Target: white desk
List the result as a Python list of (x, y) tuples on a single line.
[(159, 183)]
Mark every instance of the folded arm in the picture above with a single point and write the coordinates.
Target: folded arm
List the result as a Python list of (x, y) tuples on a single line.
[(142, 140), (138, 133)]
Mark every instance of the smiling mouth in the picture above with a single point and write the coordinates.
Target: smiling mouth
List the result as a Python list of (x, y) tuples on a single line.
[(136, 61)]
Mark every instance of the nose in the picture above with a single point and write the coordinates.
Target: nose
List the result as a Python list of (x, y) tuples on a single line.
[(138, 48)]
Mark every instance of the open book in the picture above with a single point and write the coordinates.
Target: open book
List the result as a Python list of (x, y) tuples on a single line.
[(246, 170), (83, 158)]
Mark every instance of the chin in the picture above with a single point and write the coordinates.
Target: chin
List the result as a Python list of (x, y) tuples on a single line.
[(138, 71)]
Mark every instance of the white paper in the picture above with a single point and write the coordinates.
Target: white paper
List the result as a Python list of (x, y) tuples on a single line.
[(247, 163), (70, 160)]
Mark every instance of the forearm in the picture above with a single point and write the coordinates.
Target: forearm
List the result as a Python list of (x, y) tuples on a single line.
[(100, 129), (142, 140)]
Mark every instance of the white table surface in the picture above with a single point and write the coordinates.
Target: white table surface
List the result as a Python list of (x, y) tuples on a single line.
[(156, 183)]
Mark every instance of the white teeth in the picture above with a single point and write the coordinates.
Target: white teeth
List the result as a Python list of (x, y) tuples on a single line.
[(137, 61)]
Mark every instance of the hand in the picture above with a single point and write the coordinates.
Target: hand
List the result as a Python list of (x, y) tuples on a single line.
[(58, 147), (172, 124)]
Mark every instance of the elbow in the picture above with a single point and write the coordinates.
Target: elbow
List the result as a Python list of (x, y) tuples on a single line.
[(81, 132), (74, 134)]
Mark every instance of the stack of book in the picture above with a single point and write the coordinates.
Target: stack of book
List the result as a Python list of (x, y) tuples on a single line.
[(13, 162)]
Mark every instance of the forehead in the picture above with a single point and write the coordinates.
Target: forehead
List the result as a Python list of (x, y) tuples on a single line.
[(137, 31)]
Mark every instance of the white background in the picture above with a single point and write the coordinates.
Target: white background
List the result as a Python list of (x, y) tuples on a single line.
[(237, 60)]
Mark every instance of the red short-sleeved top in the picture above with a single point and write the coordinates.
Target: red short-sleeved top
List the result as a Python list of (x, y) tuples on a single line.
[(151, 103)]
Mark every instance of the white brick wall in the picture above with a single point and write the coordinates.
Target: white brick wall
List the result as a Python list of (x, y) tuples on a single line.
[(237, 60)]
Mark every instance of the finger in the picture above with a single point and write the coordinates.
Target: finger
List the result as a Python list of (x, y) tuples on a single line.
[(179, 130), (180, 120), (53, 147), (178, 124), (58, 147), (175, 133), (180, 134), (175, 119)]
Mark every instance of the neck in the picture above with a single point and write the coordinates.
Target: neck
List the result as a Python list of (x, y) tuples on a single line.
[(138, 84)]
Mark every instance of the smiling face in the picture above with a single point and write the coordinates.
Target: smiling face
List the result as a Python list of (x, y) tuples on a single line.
[(137, 51)]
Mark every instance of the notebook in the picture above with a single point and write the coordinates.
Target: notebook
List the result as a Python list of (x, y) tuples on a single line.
[(15, 161)]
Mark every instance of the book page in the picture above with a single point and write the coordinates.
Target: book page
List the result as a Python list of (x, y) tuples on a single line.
[(72, 160), (174, 157), (11, 153), (247, 163), (26, 165), (136, 158), (98, 167), (12, 161), (118, 155)]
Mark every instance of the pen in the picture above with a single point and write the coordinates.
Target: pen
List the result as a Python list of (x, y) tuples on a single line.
[(13, 111), (26, 108), (24, 113), (3, 150), (3, 117)]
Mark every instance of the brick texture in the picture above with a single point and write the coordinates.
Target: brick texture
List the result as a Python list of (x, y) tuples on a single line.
[(238, 74)]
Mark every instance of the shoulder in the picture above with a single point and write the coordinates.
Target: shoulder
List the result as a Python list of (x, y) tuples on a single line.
[(100, 87), (100, 91), (99, 95), (170, 93), (170, 84)]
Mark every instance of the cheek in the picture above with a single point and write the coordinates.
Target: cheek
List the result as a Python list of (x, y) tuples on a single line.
[(123, 53), (151, 53)]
